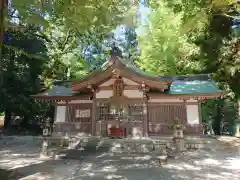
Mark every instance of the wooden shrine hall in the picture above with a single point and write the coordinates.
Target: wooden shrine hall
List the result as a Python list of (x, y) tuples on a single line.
[(120, 99)]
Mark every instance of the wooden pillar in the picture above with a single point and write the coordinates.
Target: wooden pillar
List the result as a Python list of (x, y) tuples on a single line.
[(93, 117), (200, 117), (145, 120), (94, 110), (67, 112), (145, 112)]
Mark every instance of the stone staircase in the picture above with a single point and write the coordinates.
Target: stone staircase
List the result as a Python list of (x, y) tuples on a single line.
[(132, 146), (95, 144)]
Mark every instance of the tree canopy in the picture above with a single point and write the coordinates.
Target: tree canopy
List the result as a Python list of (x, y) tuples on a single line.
[(51, 40), (164, 43), (186, 37)]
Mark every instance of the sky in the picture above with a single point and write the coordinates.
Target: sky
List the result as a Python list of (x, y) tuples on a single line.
[(144, 10)]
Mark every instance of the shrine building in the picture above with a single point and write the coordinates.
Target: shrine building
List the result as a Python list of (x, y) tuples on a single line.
[(119, 95)]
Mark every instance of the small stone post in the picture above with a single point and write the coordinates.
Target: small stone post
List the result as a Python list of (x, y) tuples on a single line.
[(44, 150), (46, 133)]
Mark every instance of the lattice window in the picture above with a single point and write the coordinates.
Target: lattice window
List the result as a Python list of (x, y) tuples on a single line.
[(103, 112), (113, 112), (136, 112)]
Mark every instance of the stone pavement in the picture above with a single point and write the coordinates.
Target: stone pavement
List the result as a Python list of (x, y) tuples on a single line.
[(21, 156)]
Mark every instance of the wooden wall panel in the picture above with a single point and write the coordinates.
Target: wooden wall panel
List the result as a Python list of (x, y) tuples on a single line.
[(74, 124), (161, 117), (156, 129), (193, 130), (166, 114), (72, 109)]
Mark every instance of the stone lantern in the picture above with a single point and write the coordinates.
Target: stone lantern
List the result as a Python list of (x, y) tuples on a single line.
[(178, 131), (47, 131), (178, 138), (47, 128)]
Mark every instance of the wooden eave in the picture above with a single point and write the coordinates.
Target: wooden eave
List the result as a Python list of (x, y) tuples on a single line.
[(187, 96), (59, 98), (116, 68)]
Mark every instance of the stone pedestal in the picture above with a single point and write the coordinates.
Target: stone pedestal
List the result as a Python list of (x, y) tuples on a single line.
[(47, 131), (178, 138), (237, 129), (44, 150), (180, 147)]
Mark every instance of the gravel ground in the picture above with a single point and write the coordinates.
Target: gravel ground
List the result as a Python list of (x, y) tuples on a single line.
[(19, 159)]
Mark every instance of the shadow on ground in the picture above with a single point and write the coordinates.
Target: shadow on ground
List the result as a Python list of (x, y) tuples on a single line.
[(9, 174), (23, 162)]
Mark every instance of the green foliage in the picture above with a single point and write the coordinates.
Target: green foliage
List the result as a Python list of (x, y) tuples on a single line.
[(194, 14), (99, 16), (20, 73), (220, 112), (220, 54), (229, 65), (64, 49), (189, 36), (129, 45), (82, 17), (97, 52), (165, 46), (70, 38)]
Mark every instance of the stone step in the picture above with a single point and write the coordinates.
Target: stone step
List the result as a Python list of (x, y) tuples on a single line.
[(135, 146)]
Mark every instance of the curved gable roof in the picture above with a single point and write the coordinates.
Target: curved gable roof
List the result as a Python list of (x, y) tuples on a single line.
[(125, 69)]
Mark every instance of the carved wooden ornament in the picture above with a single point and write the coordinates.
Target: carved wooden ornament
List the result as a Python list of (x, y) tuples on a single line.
[(118, 88)]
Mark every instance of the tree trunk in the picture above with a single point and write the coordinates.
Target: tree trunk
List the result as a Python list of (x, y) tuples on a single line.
[(218, 118), (238, 107), (3, 8), (8, 118), (238, 125), (211, 129)]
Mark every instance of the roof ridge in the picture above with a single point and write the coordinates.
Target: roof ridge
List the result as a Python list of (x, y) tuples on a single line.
[(188, 77), (207, 74)]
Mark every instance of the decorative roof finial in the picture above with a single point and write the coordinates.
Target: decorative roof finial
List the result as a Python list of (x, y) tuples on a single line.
[(115, 51)]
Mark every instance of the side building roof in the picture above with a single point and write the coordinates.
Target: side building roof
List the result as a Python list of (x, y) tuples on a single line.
[(194, 84), (57, 92)]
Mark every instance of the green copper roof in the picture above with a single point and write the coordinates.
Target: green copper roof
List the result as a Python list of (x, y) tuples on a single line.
[(193, 87), (58, 91), (188, 84), (177, 87)]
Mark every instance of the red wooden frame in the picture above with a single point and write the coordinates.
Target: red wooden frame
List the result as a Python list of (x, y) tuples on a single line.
[(116, 132)]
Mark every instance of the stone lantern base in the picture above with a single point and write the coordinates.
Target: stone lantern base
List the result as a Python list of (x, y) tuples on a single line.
[(44, 149), (178, 138)]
